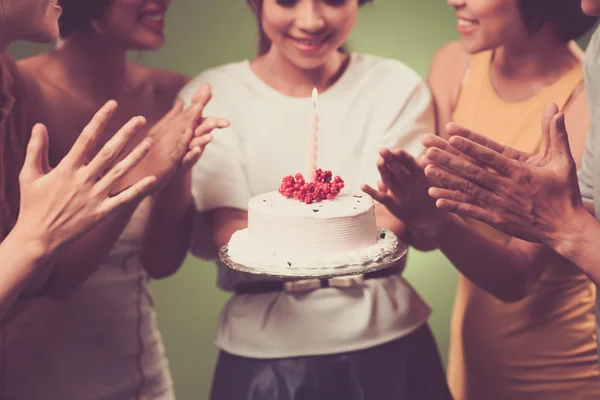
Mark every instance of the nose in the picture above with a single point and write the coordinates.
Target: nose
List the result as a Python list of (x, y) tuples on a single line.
[(456, 3), (309, 16)]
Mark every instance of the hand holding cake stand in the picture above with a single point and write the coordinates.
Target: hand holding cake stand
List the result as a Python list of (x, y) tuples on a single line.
[(308, 229)]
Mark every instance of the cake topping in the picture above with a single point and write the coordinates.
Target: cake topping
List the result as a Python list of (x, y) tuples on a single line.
[(324, 187)]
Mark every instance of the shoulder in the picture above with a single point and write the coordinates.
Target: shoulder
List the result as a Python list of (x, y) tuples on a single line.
[(449, 62), (220, 78), (166, 83)]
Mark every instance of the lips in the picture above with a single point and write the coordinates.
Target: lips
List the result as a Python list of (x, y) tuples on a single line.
[(311, 44), (154, 20), (466, 26)]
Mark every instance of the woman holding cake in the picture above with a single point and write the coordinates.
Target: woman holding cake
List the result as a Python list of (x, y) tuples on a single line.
[(101, 340), (513, 58), (367, 341)]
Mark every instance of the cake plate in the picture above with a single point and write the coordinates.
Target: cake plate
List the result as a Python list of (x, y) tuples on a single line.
[(299, 272)]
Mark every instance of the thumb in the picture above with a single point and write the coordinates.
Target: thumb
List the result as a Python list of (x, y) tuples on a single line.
[(559, 137), (547, 116), (36, 158), (202, 95)]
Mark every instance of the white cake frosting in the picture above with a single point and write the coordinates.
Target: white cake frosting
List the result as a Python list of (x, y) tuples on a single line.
[(290, 233)]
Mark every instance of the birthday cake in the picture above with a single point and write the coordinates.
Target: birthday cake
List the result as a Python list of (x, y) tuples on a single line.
[(311, 225)]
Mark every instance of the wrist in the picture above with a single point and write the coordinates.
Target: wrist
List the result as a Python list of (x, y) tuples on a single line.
[(569, 233), (32, 242)]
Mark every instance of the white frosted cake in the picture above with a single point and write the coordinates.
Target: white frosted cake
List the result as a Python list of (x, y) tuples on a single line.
[(288, 233)]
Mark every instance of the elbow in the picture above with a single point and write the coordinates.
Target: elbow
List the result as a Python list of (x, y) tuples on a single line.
[(158, 269)]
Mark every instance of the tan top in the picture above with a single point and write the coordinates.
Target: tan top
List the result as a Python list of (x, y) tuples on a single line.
[(13, 140), (542, 347)]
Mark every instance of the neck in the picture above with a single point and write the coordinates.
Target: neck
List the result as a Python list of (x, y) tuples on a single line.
[(93, 66), (541, 55), (285, 76)]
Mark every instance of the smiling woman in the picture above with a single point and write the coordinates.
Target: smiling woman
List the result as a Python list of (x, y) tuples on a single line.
[(278, 343), (25, 12)]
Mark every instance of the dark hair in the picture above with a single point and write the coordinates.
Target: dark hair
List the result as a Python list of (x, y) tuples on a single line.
[(78, 14), (264, 43), (567, 16)]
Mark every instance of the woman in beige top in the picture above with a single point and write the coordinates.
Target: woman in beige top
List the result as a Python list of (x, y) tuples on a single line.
[(101, 340), (51, 210), (523, 322)]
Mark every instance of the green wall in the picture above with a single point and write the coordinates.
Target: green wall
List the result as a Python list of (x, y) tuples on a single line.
[(204, 33)]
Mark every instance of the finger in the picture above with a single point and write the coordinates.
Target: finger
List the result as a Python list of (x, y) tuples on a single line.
[(37, 149), (182, 146), (202, 95), (382, 187), (134, 193), (457, 130), (472, 211), (381, 197), (550, 110), (192, 116), (430, 140), (408, 162), (448, 194), (505, 166), (176, 110), (113, 148), (191, 157), (394, 182), (209, 124), (90, 135), (201, 141), (467, 170), (465, 186), (121, 169)]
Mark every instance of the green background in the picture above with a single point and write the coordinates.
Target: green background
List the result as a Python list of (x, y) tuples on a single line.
[(205, 33)]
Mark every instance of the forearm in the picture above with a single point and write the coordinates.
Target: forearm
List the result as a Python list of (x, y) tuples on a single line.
[(503, 271), (169, 230), (21, 257), (579, 242)]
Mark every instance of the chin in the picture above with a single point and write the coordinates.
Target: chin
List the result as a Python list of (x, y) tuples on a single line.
[(591, 7), (50, 34), (471, 46), (146, 45)]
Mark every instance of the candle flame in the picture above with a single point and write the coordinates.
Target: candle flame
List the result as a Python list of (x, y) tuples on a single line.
[(315, 96)]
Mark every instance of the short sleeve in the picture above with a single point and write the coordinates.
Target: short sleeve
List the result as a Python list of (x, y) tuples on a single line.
[(405, 114), (218, 179), (586, 172), (586, 182)]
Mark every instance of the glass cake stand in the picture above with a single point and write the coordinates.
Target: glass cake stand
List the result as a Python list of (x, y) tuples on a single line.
[(299, 272)]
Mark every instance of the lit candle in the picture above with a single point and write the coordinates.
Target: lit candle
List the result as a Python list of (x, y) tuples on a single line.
[(313, 139)]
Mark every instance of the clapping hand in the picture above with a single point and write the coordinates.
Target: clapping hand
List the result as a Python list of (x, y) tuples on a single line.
[(60, 204), (403, 190), (528, 196)]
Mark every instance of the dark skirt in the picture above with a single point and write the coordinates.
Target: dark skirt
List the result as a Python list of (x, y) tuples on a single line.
[(408, 368)]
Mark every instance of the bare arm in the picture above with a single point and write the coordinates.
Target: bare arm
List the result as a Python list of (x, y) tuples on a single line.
[(22, 257), (224, 222), (61, 204), (172, 137)]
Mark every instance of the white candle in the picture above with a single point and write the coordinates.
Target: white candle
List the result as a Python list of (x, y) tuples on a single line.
[(313, 139)]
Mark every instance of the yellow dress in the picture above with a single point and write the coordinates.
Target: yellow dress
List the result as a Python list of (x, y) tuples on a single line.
[(542, 347)]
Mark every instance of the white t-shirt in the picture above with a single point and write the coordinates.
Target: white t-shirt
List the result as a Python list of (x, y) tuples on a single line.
[(376, 103)]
